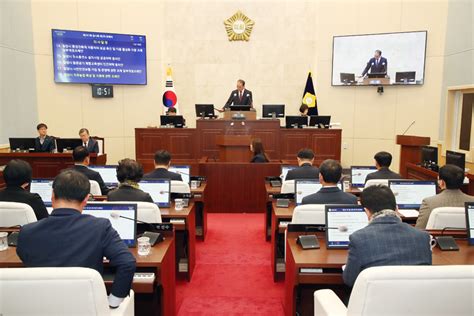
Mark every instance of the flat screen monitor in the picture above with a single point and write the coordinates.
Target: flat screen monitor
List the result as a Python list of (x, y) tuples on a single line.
[(470, 222), (296, 121), (44, 188), (304, 187), (68, 144), (285, 169), (173, 120), (99, 58), (405, 77), (204, 110), (342, 221), (108, 174), (410, 193), (183, 170), (359, 174), (277, 109), (159, 190), (401, 53), (25, 144), (125, 227), (455, 158), (429, 154), (321, 121)]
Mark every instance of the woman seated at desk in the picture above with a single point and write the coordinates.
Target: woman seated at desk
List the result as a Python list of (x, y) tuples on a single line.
[(129, 173), (259, 154)]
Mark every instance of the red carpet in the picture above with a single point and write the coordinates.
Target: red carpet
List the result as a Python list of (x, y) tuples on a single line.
[(233, 272)]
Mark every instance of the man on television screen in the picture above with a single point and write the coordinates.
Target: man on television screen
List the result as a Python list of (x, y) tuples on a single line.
[(377, 64), (240, 96)]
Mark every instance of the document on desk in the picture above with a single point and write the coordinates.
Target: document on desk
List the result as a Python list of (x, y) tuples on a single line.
[(409, 212)]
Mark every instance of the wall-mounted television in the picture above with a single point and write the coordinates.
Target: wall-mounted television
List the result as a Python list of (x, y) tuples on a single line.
[(379, 59), (99, 58)]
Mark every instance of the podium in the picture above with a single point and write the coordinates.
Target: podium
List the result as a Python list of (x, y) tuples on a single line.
[(376, 81), (249, 115), (410, 151), (234, 148)]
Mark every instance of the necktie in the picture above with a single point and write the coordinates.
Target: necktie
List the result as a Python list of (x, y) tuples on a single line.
[(240, 95), (376, 62)]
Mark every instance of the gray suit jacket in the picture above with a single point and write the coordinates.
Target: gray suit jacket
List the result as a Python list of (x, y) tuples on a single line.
[(386, 241), (383, 173), (330, 195), (454, 198)]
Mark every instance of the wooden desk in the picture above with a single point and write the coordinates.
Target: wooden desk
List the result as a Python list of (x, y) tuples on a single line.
[(2, 181), (47, 165), (161, 261), (331, 262), (199, 197)]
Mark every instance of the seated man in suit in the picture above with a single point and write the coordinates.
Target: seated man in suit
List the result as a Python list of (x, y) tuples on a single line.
[(44, 143), (450, 180), (91, 144), (377, 64), (305, 168), (240, 96), (129, 173), (330, 172), (383, 160), (386, 241), (17, 176), (81, 163), (69, 239), (162, 163)]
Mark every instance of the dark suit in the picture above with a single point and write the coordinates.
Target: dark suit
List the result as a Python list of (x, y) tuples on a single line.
[(259, 158), (48, 145), (386, 241), (18, 194), (381, 67), (305, 171), (330, 195), (92, 175), (383, 173), (92, 146), (69, 239), (162, 173), (235, 100), (126, 193)]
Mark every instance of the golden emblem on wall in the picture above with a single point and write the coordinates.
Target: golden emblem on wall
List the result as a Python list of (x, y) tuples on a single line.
[(238, 27)]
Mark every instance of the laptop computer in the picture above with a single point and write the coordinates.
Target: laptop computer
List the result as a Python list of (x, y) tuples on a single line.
[(342, 221), (359, 174), (159, 190), (410, 193)]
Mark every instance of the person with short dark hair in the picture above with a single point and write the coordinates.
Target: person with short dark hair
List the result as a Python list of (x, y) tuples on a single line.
[(259, 155), (44, 143), (129, 173), (91, 144), (383, 160), (81, 158), (304, 108), (162, 164), (376, 65), (240, 96), (69, 238), (17, 176), (386, 241), (330, 173), (171, 111), (305, 169), (450, 181)]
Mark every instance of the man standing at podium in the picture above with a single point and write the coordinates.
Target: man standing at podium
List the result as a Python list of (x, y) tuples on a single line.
[(377, 64), (241, 96)]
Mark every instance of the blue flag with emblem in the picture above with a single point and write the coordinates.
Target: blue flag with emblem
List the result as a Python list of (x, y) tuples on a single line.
[(309, 96)]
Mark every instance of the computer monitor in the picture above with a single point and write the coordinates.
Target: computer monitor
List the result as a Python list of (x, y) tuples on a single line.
[(296, 121), (44, 188), (470, 222), (108, 174), (342, 221), (159, 190), (238, 107), (410, 193), (204, 110), (270, 109), (125, 227), (359, 174), (347, 78), (321, 121), (24, 144), (173, 120), (305, 187), (405, 77), (68, 144), (456, 158), (429, 154), (184, 171), (285, 169)]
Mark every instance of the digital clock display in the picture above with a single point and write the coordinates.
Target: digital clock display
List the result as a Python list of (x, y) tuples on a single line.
[(102, 91)]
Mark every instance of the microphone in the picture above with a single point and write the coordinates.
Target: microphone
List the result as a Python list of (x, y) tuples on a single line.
[(412, 123), (117, 216), (342, 228), (451, 228)]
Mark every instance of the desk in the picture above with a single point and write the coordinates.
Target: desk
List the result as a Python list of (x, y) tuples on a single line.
[(2, 181), (199, 197), (47, 165), (161, 261), (331, 262)]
